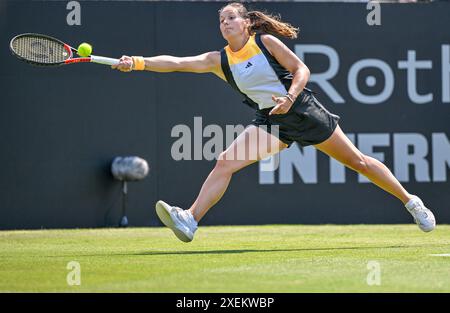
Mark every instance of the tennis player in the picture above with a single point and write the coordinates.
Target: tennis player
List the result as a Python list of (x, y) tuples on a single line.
[(272, 80)]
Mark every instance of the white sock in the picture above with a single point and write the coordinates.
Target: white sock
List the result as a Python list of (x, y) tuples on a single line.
[(412, 203), (191, 218)]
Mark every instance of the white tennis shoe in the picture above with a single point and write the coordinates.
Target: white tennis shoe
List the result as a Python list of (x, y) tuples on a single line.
[(180, 221), (423, 217)]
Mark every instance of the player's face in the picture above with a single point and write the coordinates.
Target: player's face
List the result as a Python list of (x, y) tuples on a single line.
[(232, 24)]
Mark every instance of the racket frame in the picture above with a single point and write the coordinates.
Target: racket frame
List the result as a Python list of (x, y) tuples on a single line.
[(70, 50)]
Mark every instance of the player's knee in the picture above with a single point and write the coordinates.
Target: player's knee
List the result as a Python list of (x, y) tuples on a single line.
[(361, 164), (224, 165), (229, 166)]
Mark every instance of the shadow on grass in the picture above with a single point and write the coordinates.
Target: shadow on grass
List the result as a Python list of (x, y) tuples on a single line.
[(238, 251), (232, 251), (262, 250)]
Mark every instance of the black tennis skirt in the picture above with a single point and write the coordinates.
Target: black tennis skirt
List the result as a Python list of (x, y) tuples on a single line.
[(307, 121)]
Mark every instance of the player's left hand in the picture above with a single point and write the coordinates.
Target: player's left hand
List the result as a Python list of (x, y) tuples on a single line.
[(283, 104)]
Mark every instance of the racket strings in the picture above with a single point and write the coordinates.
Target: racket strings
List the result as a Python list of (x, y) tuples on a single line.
[(40, 50)]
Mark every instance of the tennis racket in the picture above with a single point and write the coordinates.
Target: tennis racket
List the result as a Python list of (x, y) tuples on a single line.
[(44, 50)]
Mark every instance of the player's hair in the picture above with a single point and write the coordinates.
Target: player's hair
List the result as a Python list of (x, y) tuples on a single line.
[(264, 22)]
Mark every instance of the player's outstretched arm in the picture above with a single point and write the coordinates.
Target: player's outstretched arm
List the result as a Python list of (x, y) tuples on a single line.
[(204, 63)]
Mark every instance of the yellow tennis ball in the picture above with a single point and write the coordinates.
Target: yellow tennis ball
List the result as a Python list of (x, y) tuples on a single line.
[(84, 49)]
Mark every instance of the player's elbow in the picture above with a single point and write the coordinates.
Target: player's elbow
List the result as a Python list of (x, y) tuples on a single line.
[(190, 67), (173, 64), (305, 72), (177, 65), (302, 71)]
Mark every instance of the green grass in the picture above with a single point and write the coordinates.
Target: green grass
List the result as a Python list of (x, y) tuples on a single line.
[(275, 258)]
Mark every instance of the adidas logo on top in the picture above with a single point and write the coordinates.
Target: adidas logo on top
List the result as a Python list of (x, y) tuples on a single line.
[(248, 65)]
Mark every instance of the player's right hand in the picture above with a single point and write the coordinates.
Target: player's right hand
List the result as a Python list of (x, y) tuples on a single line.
[(125, 65)]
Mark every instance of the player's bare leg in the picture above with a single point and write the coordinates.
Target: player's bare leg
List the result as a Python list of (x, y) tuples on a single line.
[(250, 146), (339, 147), (244, 151)]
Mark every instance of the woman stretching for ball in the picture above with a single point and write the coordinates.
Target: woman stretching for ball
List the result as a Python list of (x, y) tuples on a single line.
[(272, 79)]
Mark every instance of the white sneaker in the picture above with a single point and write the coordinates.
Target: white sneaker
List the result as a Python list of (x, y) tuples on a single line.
[(180, 221), (423, 217)]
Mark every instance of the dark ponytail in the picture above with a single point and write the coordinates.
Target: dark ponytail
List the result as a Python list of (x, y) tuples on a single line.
[(271, 24)]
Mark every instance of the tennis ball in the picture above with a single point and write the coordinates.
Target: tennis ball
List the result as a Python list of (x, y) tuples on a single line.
[(84, 49)]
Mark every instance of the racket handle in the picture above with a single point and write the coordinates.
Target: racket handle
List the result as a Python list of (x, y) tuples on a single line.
[(104, 60)]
